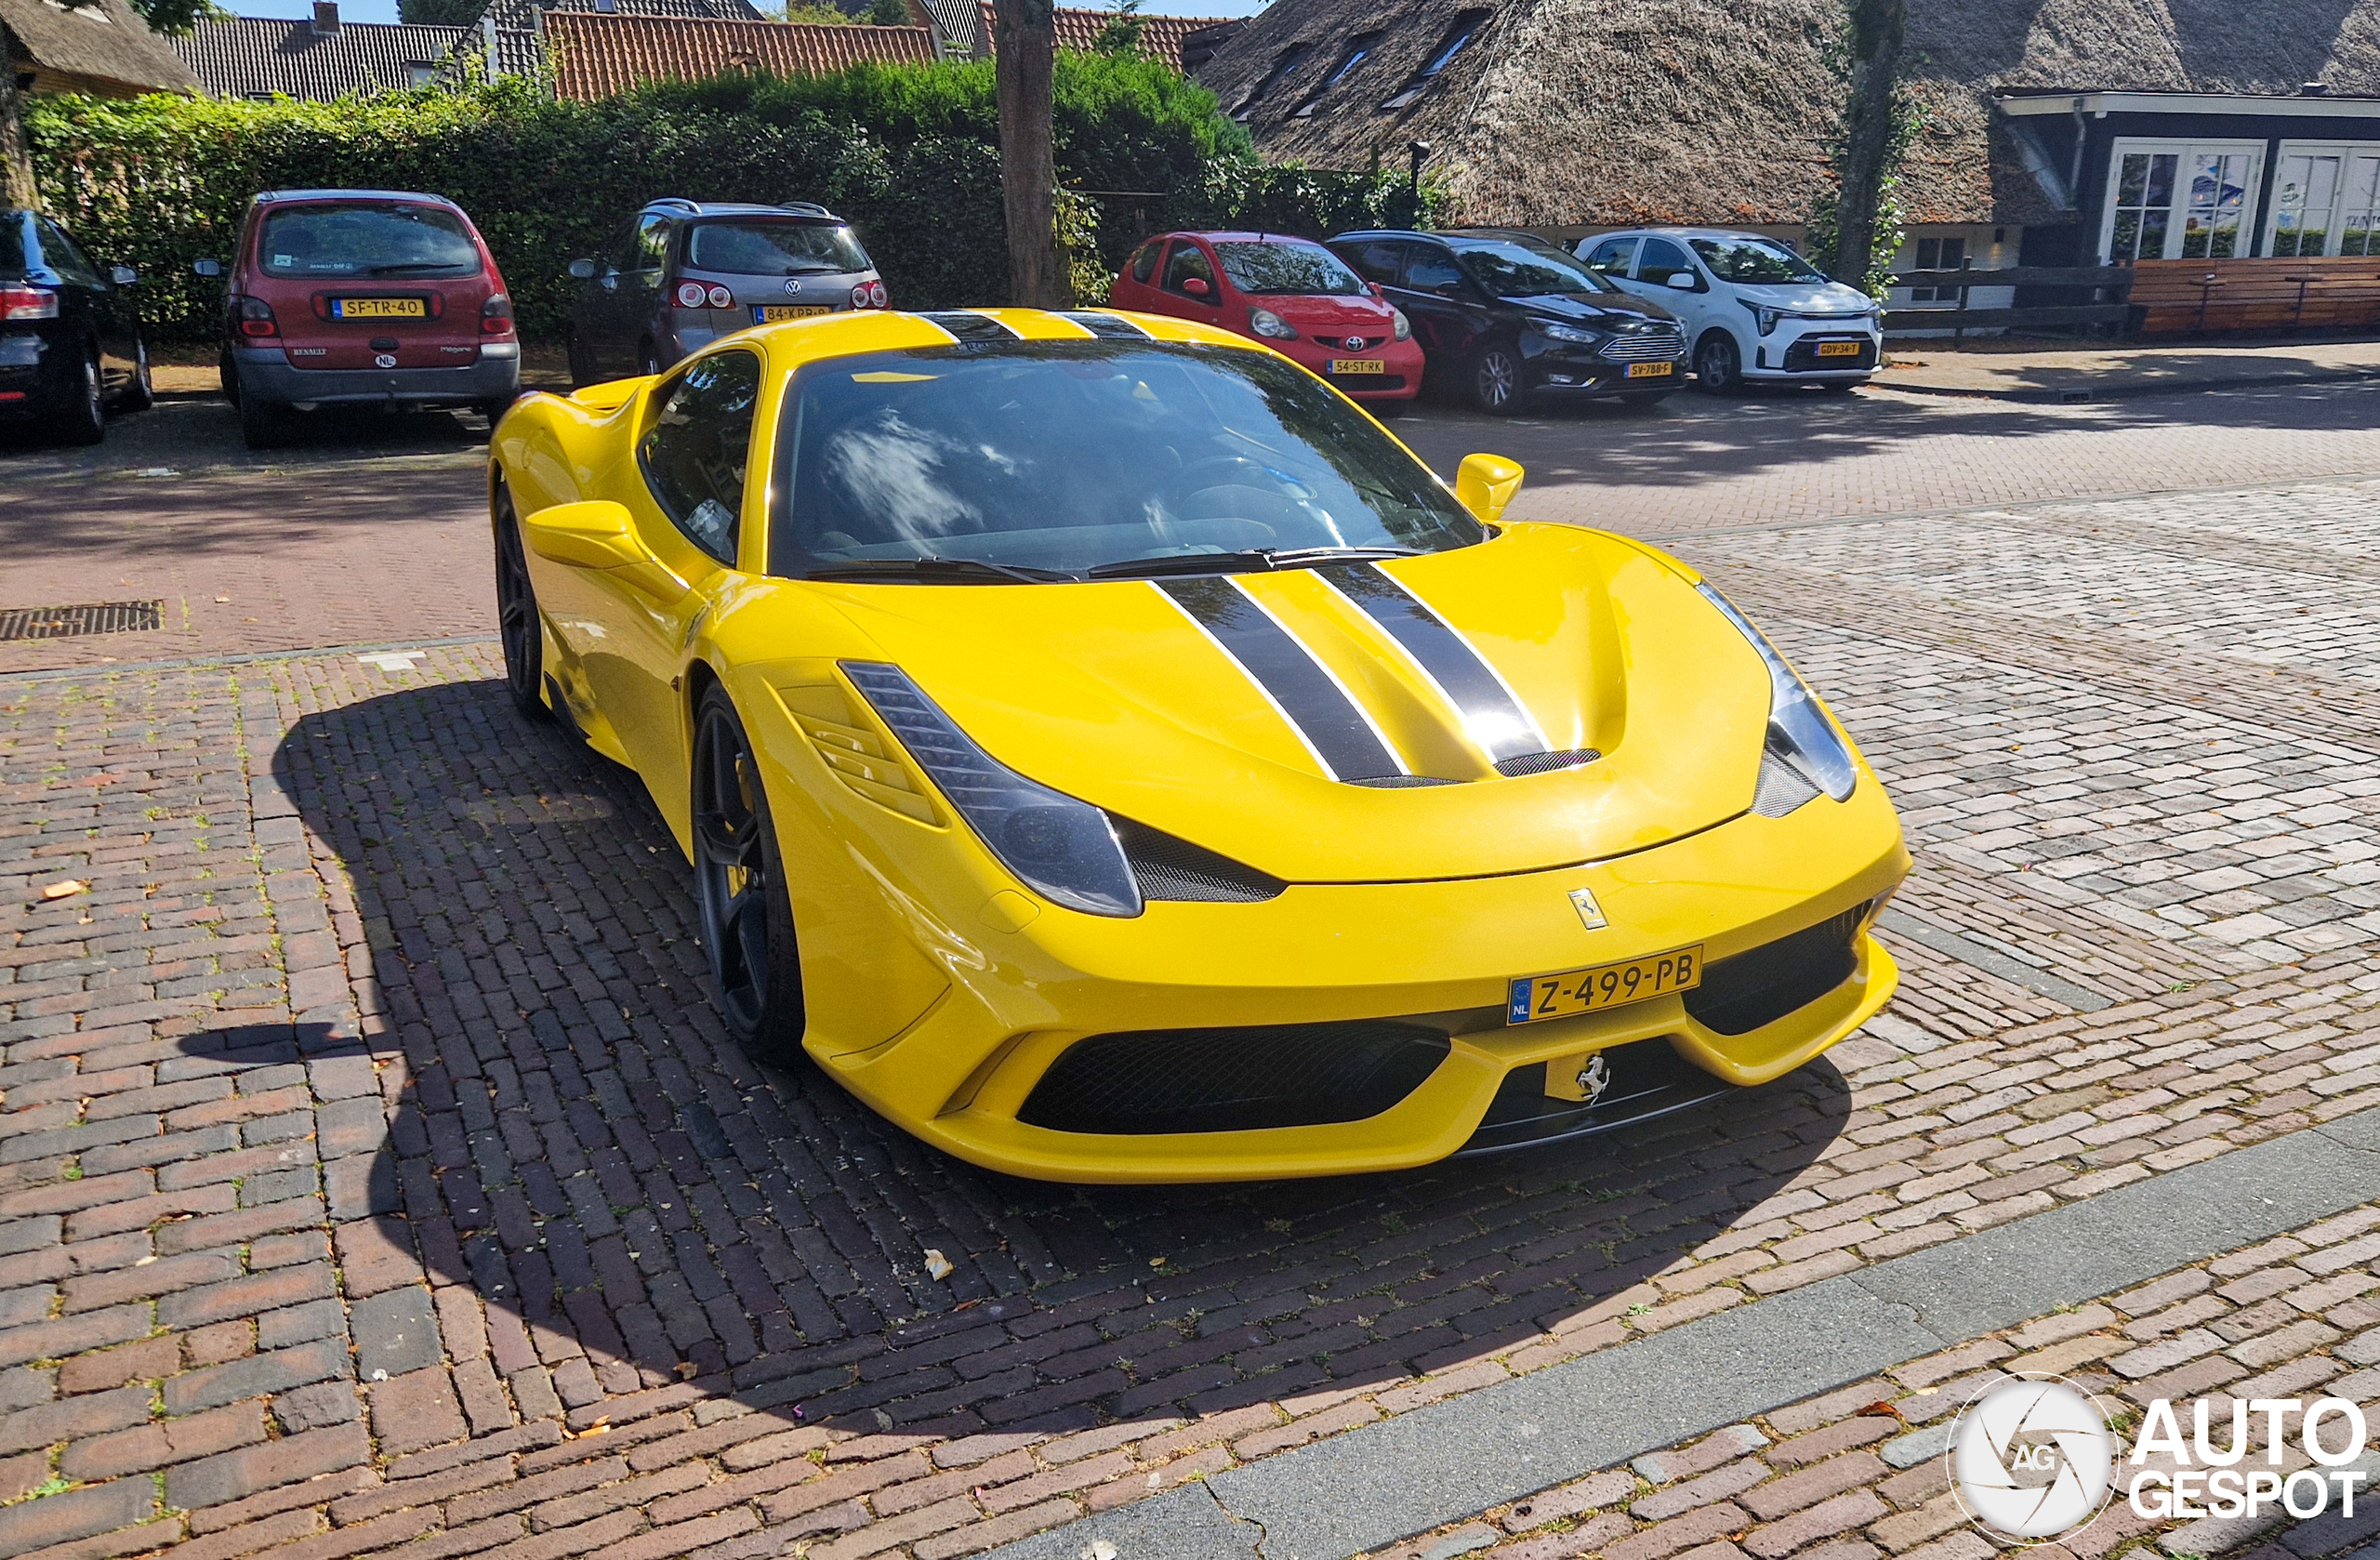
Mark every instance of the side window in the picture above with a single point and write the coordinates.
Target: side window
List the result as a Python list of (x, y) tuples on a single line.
[(693, 457), (1662, 260), (651, 248), (59, 251), (1434, 271), (1374, 261), (1144, 263), (1612, 256), (1186, 262)]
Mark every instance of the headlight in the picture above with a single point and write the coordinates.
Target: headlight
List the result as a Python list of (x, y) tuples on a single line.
[(1063, 847), (1572, 333), (1764, 316), (1263, 321), (1403, 329), (1799, 733)]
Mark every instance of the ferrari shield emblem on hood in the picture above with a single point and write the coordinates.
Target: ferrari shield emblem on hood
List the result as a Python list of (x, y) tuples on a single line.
[(1583, 901)]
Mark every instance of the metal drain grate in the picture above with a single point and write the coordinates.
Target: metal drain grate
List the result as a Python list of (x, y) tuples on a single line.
[(58, 623)]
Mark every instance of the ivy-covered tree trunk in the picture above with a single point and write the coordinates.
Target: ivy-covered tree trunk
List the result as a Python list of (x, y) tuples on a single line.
[(1025, 42), (1879, 29), (15, 157)]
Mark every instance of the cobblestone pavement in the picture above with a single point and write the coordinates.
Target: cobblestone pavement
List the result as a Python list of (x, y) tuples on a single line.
[(373, 1176), (1861, 1473)]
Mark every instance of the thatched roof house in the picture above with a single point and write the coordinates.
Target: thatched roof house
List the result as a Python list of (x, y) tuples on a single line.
[(1570, 115), (101, 47)]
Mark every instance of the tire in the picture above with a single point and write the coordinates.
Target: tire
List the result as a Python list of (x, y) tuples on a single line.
[(493, 409), (582, 366), (230, 374), (1718, 367), (516, 614), (648, 359), (142, 394), (1496, 382), (85, 419), (265, 424), (739, 886)]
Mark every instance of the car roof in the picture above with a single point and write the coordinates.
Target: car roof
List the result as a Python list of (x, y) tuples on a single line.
[(1238, 235), (683, 207), (1380, 233), (1685, 233), (267, 197)]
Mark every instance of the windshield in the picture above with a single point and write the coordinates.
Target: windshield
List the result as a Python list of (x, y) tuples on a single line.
[(1512, 267), (1070, 454), (765, 247), (1289, 268), (1754, 261), (388, 238)]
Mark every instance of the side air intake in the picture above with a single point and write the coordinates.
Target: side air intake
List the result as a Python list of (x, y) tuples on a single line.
[(1224, 1081), (1175, 869), (1740, 994)]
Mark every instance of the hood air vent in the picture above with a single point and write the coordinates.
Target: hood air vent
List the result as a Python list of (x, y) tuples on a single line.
[(1175, 869), (1543, 764), (1114, 327)]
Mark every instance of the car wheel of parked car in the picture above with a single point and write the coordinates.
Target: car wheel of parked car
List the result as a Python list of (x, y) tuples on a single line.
[(582, 366), (142, 394), (494, 409), (739, 885), (1496, 382), (648, 359), (86, 413), (516, 614), (229, 374), (265, 424), (1718, 367)]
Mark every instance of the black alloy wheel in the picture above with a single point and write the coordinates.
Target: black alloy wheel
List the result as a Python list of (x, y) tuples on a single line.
[(739, 885), (516, 614), (1496, 380), (141, 393), (1718, 367), (86, 414)]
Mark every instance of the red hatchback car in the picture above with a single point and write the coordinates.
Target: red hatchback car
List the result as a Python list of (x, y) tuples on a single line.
[(368, 297), (1292, 294)]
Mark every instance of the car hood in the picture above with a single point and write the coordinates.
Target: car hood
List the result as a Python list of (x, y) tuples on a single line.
[(1811, 297), (1114, 692), (1617, 307), (1309, 311)]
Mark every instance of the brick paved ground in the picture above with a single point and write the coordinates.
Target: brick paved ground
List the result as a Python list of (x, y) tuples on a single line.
[(372, 1174), (1859, 1473)]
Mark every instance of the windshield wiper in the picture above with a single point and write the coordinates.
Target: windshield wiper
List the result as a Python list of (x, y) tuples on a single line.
[(940, 570), (395, 266), (1255, 560), (814, 267)]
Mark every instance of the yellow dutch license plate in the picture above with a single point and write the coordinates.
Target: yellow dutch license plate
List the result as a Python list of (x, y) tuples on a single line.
[(379, 309), (1650, 370), (1838, 349), (1536, 998), (770, 313), (1357, 366)]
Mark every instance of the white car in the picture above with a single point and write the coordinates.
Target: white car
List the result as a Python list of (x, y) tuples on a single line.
[(1753, 308)]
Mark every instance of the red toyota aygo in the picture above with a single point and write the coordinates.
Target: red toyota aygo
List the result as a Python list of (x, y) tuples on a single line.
[(1292, 294)]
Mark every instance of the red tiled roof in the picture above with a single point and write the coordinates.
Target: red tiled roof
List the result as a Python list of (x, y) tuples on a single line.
[(597, 55), (1161, 36)]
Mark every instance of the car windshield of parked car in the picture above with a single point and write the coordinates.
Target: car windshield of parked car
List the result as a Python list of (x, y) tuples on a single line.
[(1510, 269), (1754, 261), (1067, 455), (761, 247), (1289, 268), (384, 239)]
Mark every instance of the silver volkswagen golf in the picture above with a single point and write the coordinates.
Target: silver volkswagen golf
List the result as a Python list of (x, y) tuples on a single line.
[(684, 273)]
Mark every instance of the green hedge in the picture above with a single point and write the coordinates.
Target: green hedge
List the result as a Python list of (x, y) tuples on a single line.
[(910, 155)]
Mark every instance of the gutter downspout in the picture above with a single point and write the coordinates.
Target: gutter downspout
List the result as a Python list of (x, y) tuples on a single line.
[(2082, 135)]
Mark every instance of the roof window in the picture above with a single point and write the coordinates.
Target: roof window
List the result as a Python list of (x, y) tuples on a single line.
[(1290, 59), (1464, 28), (1359, 50)]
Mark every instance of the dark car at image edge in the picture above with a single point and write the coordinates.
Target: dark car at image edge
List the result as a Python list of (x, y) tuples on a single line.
[(70, 339)]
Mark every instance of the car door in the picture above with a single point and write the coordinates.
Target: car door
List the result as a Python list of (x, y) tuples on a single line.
[(1449, 313), (89, 299), (1658, 261), (1135, 285), (691, 462), (1612, 259), (1186, 262)]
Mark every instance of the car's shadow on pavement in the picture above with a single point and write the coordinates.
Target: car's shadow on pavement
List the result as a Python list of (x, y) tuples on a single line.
[(540, 1105)]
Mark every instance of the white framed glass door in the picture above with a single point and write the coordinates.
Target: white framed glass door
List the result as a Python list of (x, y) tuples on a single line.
[(2177, 199), (2323, 201)]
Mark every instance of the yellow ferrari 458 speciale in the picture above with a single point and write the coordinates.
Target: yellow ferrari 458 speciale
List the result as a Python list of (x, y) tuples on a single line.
[(1113, 756)]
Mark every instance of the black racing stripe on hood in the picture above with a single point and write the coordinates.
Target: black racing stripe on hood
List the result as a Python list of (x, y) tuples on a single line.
[(1308, 697), (1491, 712)]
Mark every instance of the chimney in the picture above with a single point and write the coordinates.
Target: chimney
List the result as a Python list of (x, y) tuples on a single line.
[(326, 19), (2315, 89)]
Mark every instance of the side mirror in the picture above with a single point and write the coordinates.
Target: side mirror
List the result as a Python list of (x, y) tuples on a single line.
[(124, 275), (583, 271), (207, 268), (1196, 286), (598, 535), (1685, 282), (1376, 292), (1485, 484)]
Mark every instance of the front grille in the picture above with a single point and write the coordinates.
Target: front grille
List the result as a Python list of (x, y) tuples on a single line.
[(1339, 341), (1169, 868), (1738, 995), (59, 623), (1649, 344), (1543, 764), (1803, 355), (1228, 1080), (1362, 384)]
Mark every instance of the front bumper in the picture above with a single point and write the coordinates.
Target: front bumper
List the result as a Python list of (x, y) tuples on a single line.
[(1574, 368), (265, 374), (1797, 357), (1438, 955)]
